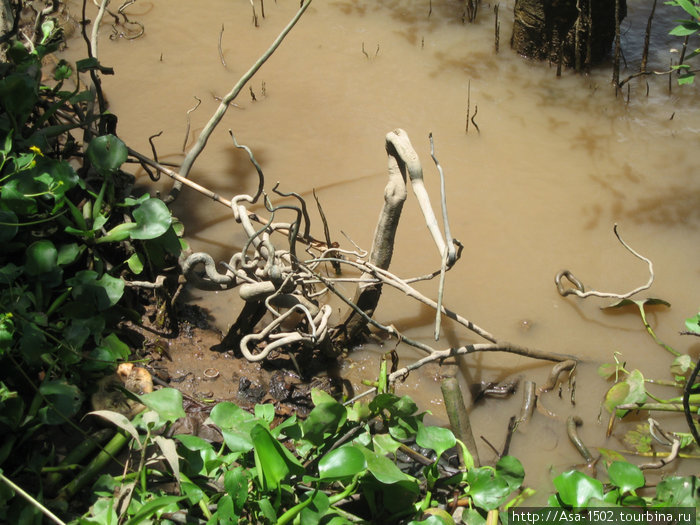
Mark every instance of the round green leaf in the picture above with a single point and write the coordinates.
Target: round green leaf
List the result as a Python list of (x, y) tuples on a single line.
[(435, 438), (511, 471), (626, 476), (487, 490), (42, 257), (107, 153), (166, 401), (341, 463), (575, 488), (383, 469), (152, 218)]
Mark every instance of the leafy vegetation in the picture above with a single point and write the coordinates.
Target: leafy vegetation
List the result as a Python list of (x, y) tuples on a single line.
[(685, 29), (71, 234)]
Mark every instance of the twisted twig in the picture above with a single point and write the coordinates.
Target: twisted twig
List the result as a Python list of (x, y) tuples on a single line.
[(198, 147), (578, 289)]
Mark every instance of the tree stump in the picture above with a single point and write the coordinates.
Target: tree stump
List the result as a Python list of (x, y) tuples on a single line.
[(570, 33)]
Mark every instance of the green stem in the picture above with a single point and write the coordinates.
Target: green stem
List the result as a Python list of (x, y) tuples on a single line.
[(653, 335), (95, 466), (76, 455), (296, 509), (661, 407), (348, 490), (32, 500)]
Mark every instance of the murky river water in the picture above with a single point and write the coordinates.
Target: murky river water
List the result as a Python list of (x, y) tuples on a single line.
[(554, 164)]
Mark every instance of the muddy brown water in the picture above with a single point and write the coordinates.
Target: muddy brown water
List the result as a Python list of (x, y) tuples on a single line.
[(555, 164)]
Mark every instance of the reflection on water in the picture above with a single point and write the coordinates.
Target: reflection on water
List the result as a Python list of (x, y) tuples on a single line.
[(555, 164)]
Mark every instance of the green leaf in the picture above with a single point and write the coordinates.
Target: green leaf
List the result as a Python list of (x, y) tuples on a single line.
[(678, 491), (95, 295), (629, 391), (229, 415), (69, 253), (119, 233), (107, 153), (18, 95), (265, 412), (385, 444), (117, 419), (693, 324), (626, 476), (168, 448), (487, 489), (325, 418), (435, 438), (607, 370), (167, 402), (65, 398), (273, 462), (135, 263), (236, 484), (576, 489), (395, 405), (153, 506), (198, 455), (681, 364), (511, 471), (41, 258), (639, 439), (383, 469), (689, 7), (342, 463), (684, 29), (472, 517), (153, 219), (435, 519)]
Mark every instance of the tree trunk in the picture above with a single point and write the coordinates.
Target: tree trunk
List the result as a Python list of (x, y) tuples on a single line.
[(572, 33)]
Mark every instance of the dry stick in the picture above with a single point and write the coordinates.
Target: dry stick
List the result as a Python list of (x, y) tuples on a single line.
[(197, 148), (187, 128), (96, 27), (690, 386), (496, 28), (647, 36), (367, 295), (326, 230), (659, 73), (255, 16), (476, 110), (572, 424), (589, 38), (579, 290), (438, 355), (459, 419), (31, 499), (512, 425), (469, 96), (402, 285), (403, 161), (449, 257), (684, 49), (261, 176), (616, 61), (577, 38), (529, 399), (221, 53)]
